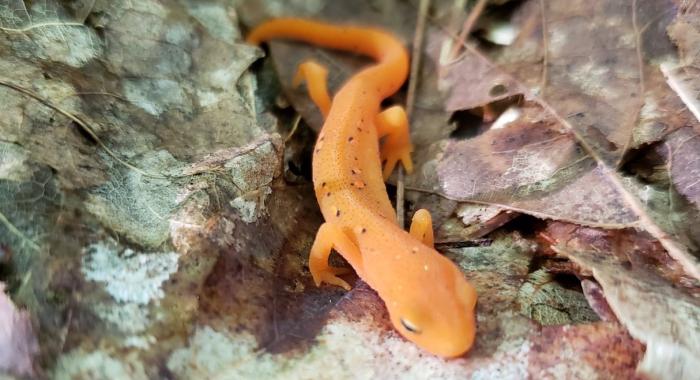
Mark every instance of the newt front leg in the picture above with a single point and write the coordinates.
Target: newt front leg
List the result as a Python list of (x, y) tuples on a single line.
[(393, 123), (331, 236), (422, 227)]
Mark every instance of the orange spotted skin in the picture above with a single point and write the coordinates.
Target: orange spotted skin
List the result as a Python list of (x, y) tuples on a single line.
[(428, 299)]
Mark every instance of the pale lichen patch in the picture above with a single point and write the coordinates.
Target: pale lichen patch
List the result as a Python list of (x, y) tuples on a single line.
[(214, 18), (72, 45), (156, 96), (247, 209), (214, 354), (80, 364), (130, 319), (129, 276)]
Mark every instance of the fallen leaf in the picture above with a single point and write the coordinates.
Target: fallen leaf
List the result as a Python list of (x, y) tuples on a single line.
[(599, 350), (571, 173), (600, 97), (532, 166), (655, 312)]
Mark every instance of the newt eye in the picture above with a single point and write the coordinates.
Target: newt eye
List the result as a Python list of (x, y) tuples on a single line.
[(410, 326)]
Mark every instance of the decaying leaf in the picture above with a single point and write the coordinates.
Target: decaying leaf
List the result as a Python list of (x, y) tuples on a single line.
[(596, 108), (602, 350), (654, 311), (532, 166), (596, 298)]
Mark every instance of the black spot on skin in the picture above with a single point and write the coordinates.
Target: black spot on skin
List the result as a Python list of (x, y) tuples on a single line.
[(337, 212), (323, 184), (355, 158), (328, 194), (353, 171), (350, 138), (364, 230)]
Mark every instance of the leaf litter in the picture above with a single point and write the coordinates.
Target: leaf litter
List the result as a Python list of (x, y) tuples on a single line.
[(148, 133)]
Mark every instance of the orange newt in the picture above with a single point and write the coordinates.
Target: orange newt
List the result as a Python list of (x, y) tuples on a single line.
[(429, 300)]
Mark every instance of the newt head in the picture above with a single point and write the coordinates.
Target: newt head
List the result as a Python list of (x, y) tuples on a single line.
[(437, 313)]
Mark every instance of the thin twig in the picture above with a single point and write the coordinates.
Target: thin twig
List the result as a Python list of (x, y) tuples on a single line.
[(400, 196), (410, 98), (98, 93), (468, 27), (40, 25), (638, 41), (295, 126), (545, 50), (640, 68)]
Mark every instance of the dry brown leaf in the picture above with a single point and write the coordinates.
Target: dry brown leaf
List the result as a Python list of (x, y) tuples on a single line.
[(662, 316), (471, 83), (600, 350), (590, 64), (596, 298), (532, 166), (684, 158), (683, 146), (596, 127), (685, 32)]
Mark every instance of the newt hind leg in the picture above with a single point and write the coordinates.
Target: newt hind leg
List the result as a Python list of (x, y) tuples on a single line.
[(332, 236), (316, 77), (393, 123)]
